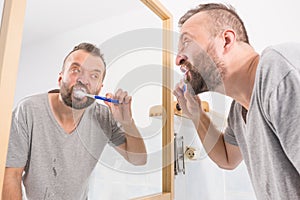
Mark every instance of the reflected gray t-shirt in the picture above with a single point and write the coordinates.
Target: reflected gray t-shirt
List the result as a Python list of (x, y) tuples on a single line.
[(270, 138), (57, 164)]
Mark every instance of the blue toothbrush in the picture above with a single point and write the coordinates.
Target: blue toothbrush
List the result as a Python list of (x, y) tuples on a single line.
[(81, 94)]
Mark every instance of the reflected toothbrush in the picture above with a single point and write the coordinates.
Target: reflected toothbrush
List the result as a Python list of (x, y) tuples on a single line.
[(81, 94)]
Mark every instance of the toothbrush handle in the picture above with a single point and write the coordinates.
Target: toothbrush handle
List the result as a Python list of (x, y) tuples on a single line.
[(184, 88), (107, 99)]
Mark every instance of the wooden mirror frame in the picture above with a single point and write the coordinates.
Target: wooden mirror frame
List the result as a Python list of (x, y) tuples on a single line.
[(10, 45), (167, 103)]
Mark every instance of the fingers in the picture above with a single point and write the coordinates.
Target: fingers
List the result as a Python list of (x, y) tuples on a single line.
[(122, 96), (191, 98), (179, 91), (108, 95), (189, 103), (127, 99), (122, 111), (179, 94)]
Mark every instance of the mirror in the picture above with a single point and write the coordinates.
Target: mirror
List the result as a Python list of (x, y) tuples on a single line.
[(57, 29)]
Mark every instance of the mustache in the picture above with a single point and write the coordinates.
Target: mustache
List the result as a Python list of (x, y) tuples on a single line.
[(186, 65), (80, 85)]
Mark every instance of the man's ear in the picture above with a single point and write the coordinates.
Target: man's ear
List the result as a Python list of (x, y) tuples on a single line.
[(229, 38), (59, 78)]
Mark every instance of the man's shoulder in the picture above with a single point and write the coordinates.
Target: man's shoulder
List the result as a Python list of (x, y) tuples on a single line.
[(278, 60), (33, 100), (286, 51), (34, 97), (281, 47)]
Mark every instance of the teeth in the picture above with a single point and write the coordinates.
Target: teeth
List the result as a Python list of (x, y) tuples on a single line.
[(79, 94), (183, 68), (185, 77)]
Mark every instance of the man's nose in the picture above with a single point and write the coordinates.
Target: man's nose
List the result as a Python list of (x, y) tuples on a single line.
[(180, 59), (83, 78)]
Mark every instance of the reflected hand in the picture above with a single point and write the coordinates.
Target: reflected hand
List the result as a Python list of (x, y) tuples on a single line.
[(122, 111)]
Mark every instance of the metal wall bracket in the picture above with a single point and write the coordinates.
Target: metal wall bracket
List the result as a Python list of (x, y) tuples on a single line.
[(179, 165)]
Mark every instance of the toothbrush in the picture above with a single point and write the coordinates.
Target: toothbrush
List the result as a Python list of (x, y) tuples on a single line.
[(185, 82), (81, 94), (184, 87)]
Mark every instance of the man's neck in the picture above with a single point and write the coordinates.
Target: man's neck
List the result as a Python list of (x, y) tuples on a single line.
[(67, 117), (241, 82)]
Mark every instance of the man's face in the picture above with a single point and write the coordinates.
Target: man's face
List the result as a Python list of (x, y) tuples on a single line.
[(198, 56), (82, 72)]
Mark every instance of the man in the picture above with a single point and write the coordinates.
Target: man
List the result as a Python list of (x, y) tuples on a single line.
[(263, 127), (57, 138)]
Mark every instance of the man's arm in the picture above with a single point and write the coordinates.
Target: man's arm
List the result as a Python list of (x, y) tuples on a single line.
[(133, 150), (225, 155), (12, 189)]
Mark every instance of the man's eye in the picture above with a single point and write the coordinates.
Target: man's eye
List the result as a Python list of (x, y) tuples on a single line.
[(185, 43), (95, 76), (75, 70)]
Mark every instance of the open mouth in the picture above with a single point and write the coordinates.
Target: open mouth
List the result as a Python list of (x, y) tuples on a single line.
[(185, 68), (77, 92), (186, 77)]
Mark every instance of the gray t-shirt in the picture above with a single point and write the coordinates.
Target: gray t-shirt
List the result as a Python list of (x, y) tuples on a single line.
[(57, 164), (270, 138)]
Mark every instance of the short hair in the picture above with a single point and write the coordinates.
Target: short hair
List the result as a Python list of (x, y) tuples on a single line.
[(89, 48), (223, 16)]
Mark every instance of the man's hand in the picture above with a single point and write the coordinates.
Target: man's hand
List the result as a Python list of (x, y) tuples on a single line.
[(189, 103), (122, 111)]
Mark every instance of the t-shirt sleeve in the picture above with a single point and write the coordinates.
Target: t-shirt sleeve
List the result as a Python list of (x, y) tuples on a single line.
[(284, 114), (113, 131), (18, 147), (229, 136), (118, 134)]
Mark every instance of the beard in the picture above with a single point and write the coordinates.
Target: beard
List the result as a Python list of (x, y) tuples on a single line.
[(205, 74), (70, 100), (195, 82)]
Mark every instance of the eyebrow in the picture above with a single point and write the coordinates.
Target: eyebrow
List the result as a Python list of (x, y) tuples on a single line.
[(79, 65), (76, 64), (97, 70)]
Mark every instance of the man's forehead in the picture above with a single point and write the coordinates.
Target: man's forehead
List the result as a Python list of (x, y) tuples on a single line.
[(198, 19), (85, 58), (196, 27)]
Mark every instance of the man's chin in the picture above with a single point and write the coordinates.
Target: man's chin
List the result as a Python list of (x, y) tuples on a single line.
[(200, 91), (198, 88), (79, 105)]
